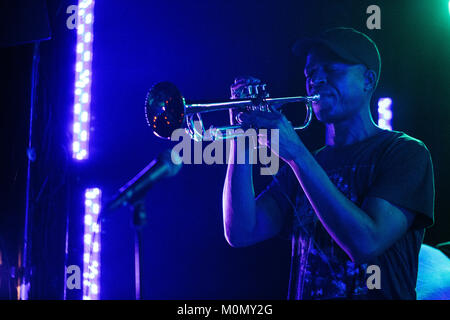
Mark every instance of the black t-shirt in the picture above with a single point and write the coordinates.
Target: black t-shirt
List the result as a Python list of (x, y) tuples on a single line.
[(389, 165)]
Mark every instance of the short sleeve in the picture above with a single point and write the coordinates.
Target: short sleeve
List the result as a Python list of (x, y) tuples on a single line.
[(404, 177), (283, 189)]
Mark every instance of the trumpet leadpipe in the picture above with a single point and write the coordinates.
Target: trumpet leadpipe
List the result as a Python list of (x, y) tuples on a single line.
[(218, 106)]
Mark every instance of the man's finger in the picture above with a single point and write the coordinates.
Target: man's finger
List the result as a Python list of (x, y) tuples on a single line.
[(246, 80)]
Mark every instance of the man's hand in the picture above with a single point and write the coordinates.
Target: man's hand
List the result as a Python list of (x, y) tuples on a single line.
[(290, 147), (289, 144), (238, 91), (240, 83)]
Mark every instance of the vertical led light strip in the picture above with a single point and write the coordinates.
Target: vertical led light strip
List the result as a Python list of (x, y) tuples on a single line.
[(385, 113), (83, 77), (91, 252)]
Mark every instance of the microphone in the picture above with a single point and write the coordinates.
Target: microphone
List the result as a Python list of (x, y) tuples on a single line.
[(158, 169)]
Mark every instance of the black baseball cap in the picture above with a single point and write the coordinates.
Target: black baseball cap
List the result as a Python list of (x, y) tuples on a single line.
[(347, 43)]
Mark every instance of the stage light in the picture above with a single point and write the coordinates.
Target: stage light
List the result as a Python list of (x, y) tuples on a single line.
[(91, 256), (76, 146), (83, 135), (88, 219), (95, 227), (87, 56), (385, 113), (88, 37), (76, 127), (88, 18), (80, 28), (78, 67), (95, 208), (84, 116), (85, 20), (85, 99), (80, 47), (94, 289), (88, 238)]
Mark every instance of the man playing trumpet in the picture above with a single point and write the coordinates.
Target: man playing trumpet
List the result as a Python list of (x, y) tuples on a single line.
[(363, 200)]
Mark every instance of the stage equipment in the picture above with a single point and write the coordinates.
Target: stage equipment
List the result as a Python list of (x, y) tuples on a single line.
[(132, 194), (156, 170)]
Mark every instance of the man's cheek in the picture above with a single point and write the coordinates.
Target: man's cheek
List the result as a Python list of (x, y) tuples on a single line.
[(308, 91)]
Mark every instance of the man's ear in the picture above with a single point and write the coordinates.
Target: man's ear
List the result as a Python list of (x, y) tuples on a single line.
[(370, 80)]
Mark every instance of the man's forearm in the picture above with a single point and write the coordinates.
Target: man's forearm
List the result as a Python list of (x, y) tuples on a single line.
[(239, 214), (347, 224)]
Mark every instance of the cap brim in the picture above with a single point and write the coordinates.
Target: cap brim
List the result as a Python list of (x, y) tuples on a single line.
[(302, 47)]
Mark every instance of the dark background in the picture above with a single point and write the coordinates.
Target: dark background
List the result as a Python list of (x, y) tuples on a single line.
[(201, 46)]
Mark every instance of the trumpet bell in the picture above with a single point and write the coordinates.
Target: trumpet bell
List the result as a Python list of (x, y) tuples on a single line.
[(165, 109)]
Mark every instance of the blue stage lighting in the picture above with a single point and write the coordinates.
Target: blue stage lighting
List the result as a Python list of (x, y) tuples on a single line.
[(81, 109), (91, 256), (385, 113)]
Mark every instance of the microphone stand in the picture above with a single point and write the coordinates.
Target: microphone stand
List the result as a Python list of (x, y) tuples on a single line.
[(139, 221), (139, 216), (132, 195)]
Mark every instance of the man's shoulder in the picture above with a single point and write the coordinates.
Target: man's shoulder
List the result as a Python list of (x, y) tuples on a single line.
[(385, 140), (401, 142)]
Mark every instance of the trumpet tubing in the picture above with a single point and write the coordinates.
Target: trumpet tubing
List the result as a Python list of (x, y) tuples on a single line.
[(166, 110)]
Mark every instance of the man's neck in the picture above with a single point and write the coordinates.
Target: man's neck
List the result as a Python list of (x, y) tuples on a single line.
[(355, 129)]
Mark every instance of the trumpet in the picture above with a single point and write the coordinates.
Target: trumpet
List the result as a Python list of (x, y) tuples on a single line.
[(166, 110)]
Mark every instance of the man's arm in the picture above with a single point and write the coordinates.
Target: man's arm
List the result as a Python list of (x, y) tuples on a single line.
[(247, 220), (363, 233)]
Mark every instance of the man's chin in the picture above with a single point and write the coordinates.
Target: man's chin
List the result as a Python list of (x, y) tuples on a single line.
[(325, 120), (323, 114), (327, 117)]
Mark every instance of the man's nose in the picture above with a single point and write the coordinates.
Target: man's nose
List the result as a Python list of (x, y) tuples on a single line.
[(318, 79)]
